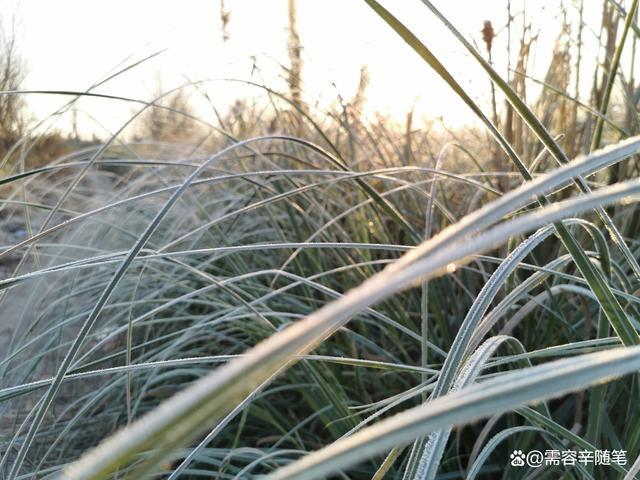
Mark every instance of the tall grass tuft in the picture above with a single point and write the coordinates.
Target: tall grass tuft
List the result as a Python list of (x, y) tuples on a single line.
[(303, 294)]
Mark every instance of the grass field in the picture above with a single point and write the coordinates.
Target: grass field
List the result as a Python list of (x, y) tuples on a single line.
[(304, 294)]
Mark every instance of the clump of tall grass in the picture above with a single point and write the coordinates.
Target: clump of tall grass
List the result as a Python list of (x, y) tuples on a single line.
[(300, 294)]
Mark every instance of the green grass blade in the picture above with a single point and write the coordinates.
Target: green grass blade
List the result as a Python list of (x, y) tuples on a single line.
[(499, 394)]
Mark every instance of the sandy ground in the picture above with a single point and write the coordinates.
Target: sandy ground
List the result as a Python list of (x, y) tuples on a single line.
[(11, 232)]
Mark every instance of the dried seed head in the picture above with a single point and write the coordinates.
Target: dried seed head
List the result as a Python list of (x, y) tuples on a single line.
[(488, 34)]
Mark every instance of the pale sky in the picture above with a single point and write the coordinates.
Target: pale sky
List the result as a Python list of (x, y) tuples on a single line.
[(70, 44)]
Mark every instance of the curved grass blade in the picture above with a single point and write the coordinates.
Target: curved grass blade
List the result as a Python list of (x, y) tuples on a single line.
[(498, 394)]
